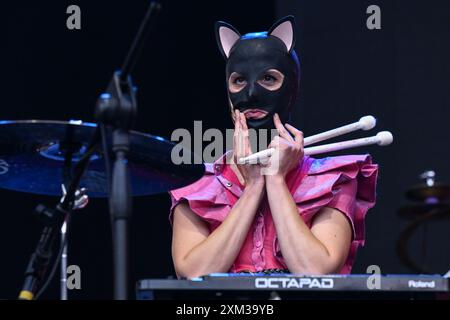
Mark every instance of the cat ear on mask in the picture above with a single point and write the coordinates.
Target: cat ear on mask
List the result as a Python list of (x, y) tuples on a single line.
[(226, 37), (283, 29)]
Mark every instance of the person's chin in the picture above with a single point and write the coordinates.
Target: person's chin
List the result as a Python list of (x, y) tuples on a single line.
[(265, 123)]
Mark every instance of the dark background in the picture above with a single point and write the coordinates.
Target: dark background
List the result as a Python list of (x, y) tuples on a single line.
[(400, 74)]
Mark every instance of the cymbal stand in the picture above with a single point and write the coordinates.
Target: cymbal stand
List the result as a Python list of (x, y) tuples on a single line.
[(117, 108)]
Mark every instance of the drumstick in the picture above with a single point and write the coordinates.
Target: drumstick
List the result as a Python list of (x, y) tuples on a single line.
[(365, 123), (382, 138)]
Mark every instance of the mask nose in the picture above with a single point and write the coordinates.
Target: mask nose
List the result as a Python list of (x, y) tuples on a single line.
[(251, 93)]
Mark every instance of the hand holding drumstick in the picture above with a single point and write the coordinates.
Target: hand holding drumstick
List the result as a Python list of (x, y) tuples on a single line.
[(383, 138)]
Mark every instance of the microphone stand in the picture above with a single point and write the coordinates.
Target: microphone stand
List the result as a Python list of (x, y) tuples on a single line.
[(117, 108), (53, 219)]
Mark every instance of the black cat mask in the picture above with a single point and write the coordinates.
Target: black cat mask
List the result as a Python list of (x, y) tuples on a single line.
[(262, 71)]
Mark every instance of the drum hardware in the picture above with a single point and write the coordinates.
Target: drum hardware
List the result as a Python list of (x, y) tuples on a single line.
[(37, 157), (430, 203)]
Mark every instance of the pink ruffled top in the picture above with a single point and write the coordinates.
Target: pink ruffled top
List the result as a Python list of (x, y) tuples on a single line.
[(346, 183)]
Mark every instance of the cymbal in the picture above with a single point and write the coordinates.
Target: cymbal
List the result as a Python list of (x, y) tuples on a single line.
[(31, 159), (422, 192)]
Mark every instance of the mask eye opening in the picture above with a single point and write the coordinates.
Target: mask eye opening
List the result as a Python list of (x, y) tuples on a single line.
[(236, 82), (271, 79)]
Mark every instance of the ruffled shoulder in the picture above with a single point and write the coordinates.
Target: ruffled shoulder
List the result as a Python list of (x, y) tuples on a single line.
[(205, 197), (346, 183)]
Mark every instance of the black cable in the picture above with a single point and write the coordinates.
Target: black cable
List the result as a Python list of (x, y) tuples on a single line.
[(51, 275), (79, 169), (106, 156)]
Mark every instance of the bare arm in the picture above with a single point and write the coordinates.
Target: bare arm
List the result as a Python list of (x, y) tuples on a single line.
[(196, 252), (322, 249)]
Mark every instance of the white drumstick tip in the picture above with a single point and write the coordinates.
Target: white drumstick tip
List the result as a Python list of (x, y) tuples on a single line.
[(384, 138), (367, 122), (254, 157)]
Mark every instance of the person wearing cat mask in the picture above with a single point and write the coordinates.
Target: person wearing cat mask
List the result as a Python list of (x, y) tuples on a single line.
[(307, 215)]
